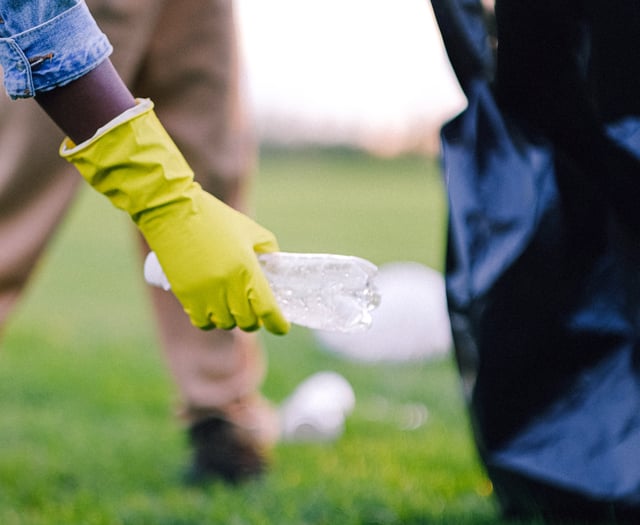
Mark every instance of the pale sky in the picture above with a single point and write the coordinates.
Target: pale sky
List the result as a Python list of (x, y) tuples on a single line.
[(346, 70)]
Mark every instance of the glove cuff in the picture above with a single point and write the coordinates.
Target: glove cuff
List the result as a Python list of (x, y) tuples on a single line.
[(133, 161)]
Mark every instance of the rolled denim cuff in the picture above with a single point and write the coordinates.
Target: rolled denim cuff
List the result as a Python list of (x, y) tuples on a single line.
[(52, 54)]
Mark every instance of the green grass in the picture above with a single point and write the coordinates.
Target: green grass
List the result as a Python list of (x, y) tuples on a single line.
[(87, 433)]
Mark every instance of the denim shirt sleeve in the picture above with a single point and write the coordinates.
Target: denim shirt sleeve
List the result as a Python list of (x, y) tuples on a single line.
[(44, 45)]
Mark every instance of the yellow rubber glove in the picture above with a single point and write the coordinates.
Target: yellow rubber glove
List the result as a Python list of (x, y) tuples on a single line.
[(206, 248)]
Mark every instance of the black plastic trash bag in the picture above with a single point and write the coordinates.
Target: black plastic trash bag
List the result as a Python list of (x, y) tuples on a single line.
[(543, 287)]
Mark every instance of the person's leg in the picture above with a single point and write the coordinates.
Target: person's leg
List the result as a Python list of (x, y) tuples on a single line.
[(184, 56), (192, 73), (36, 188), (36, 185)]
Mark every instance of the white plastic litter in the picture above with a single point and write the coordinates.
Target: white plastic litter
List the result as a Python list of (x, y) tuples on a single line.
[(317, 409)]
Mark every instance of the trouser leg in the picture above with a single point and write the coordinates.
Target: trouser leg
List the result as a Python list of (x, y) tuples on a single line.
[(36, 185), (36, 188), (192, 72), (184, 56)]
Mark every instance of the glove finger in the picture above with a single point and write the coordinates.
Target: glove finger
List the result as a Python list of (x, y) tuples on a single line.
[(268, 246), (207, 328), (242, 311), (275, 323), (248, 325), (266, 308), (197, 315), (263, 240), (207, 317), (203, 323), (223, 320)]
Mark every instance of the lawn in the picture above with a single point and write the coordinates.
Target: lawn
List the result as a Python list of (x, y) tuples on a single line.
[(88, 435)]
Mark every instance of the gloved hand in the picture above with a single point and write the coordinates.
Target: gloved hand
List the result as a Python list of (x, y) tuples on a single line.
[(206, 248)]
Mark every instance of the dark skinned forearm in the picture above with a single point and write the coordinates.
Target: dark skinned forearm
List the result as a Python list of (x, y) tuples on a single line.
[(82, 106)]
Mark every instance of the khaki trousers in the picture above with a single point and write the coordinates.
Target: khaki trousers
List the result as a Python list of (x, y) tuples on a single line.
[(183, 55)]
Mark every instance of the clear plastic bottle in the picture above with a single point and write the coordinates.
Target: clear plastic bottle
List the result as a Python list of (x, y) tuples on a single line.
[(320, 291)]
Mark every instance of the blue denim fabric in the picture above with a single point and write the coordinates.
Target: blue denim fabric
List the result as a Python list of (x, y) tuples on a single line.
[(44, 45)]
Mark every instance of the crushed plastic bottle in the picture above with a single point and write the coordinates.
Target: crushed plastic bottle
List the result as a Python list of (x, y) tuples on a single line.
[(320, 291)]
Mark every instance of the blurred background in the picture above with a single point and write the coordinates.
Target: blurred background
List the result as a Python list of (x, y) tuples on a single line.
[(348, 97), (326, 77), (370, 74)]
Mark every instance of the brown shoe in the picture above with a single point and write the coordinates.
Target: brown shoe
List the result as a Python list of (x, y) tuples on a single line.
[(224, 450)]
